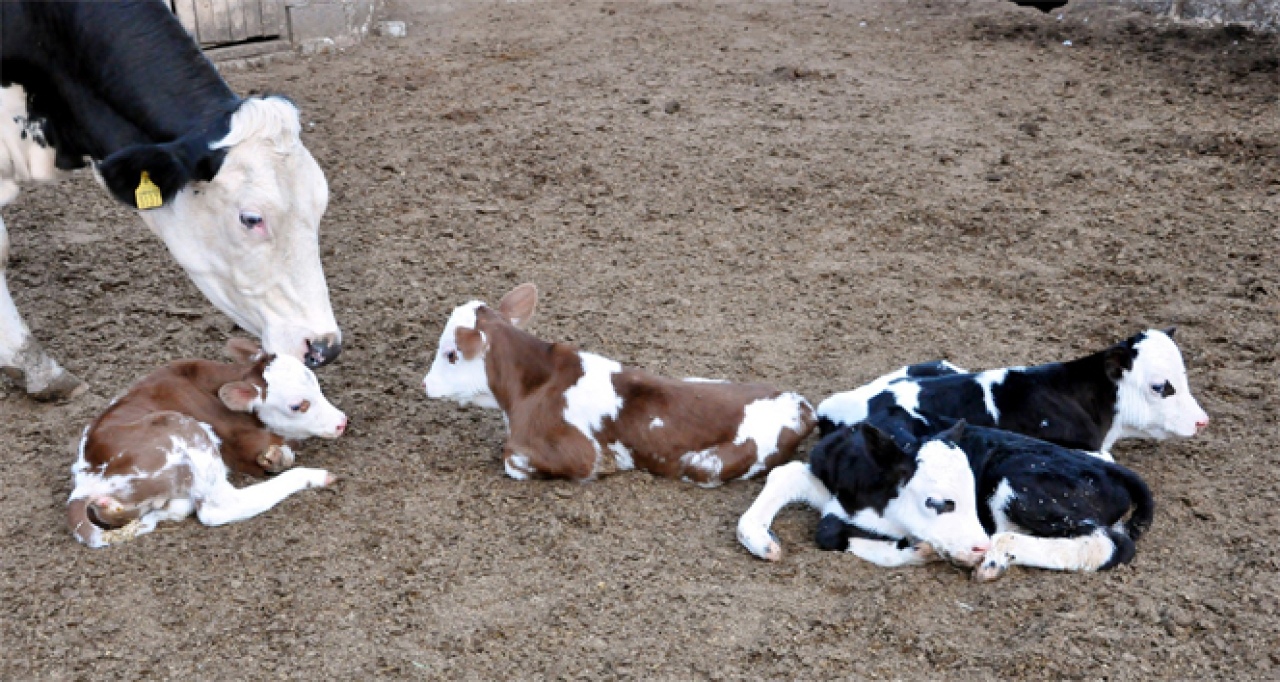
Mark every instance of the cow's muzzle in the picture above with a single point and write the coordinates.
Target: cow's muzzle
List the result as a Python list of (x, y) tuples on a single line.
[(323, 350)]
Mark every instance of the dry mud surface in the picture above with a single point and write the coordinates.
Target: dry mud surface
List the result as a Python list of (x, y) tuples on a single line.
[(769, 192)]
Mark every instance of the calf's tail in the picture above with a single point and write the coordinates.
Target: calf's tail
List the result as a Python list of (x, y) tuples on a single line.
[(1144, 506)]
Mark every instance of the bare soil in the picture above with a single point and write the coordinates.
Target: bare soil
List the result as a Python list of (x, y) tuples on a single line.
[(803, 193)]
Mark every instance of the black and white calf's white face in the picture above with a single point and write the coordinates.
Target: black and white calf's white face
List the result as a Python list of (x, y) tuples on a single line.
[(1153, 398), (938, 504)]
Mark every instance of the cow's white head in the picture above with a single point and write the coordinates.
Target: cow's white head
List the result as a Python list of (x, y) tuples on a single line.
[(937, 499), (247, 234), (458, 371), (288, 400), (1153, 398)]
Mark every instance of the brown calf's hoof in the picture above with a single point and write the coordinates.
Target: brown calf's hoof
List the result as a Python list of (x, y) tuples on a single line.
[(277, 458)]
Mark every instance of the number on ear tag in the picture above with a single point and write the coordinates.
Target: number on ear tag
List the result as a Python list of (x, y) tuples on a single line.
[(147, 195)]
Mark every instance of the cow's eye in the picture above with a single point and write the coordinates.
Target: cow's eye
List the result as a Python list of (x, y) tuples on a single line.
[(452, 357), (301, 407), (250, 219), (1165, 389), (940, 506)]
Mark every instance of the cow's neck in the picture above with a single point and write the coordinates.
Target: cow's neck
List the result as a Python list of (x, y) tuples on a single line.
[(517, 363), (110, 78)]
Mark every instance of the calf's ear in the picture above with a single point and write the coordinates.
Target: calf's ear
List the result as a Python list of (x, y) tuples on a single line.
[(1117, 360), (1168, 331), (954, 433), (886, 453), (519, 303), (169, 167), (239, 396), (244, 350), (470, 342)]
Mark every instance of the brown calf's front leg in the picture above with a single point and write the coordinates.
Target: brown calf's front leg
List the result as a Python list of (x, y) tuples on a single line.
[(276, 458), (566, 457)]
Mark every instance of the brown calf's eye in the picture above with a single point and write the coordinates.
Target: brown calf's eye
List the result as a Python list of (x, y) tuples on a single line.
[(452, 357)]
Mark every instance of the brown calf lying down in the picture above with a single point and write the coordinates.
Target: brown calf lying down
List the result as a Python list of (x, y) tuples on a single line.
[(158, 452), (577, 415)]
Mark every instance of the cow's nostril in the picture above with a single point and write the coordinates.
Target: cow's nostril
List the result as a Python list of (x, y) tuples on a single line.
[(323, 350), (981, 549)]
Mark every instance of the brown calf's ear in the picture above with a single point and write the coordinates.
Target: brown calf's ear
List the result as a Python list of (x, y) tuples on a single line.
[(519, 303), (238, 396), (470, 342), (243, 350)]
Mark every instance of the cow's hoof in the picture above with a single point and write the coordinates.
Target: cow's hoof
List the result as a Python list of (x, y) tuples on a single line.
[(41, 376), (277, 458), (45, 387)]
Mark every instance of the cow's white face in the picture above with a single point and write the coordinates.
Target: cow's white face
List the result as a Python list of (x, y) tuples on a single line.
[(294, 406), (458, 371), (1153, 398), (249, 238), (938, 504)]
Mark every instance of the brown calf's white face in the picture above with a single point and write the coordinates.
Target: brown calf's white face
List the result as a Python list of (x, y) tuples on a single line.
[(293, 406), (458, 371)]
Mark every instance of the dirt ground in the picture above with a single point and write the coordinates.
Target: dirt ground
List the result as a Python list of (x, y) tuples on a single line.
[(803, 193)]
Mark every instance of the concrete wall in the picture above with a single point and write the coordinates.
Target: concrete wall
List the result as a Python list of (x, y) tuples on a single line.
[(1261, 14)]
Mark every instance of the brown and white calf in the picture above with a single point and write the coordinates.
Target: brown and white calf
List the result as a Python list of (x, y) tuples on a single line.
[(162, 450), (572, 414)]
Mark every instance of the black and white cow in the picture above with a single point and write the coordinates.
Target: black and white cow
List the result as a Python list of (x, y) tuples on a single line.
[(122, 85), (1134, 389), (974, 495)]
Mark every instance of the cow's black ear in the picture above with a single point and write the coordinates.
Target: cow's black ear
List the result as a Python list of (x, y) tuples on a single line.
[(1168, 331), (170, 167), (1118, 359)]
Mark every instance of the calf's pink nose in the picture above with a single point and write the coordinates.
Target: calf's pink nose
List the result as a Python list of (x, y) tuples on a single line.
[(981, 549), (1201, 424), (342, 426)]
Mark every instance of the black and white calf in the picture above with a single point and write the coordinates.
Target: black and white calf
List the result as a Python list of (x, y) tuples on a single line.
[(1134, 389), (225, 182), (974, 495)]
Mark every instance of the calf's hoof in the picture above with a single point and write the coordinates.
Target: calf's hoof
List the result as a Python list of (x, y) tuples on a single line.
[(108, 512), (925, 553), (766, 545), (991, 568), (277, 458)]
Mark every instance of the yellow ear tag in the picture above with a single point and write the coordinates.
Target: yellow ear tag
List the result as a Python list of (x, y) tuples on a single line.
[(147, 195)]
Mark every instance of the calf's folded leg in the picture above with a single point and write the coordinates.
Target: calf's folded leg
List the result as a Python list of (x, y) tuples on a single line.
[(789, 483), (1099, 550)]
